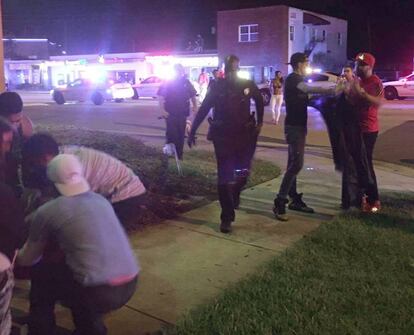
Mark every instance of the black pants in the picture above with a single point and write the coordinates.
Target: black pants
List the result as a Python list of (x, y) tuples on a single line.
[(234, 154), (369, 140), (357, 178), (296, 139), (54, 282), (128, 210), (175, 132)]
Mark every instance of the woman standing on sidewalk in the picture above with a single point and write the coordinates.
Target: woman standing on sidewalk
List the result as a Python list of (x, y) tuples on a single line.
[(277, 96)]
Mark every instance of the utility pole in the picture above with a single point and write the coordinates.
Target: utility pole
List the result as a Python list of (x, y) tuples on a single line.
[(2, 79)]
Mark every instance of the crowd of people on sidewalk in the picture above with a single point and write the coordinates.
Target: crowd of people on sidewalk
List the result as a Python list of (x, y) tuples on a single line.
[(63, 208)]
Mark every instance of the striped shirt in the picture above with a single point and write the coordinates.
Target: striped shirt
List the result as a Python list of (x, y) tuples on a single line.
[(6, 291), (105, 174)]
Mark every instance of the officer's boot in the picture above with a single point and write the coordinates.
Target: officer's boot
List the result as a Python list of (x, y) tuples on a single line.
[(225, 193), (279, 209), (237, 188)]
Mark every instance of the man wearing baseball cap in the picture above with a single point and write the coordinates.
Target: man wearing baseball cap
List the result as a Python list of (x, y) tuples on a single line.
[(296, 98), (368, 93), (99, 273)]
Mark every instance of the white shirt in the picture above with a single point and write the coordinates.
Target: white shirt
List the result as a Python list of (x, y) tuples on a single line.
[(105, 174)]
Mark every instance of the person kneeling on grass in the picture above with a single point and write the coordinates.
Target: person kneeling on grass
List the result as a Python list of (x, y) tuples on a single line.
[(105, 174), (99, 271)]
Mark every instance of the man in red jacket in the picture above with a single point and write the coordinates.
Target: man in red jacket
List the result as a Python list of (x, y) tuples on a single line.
[(368, 92)]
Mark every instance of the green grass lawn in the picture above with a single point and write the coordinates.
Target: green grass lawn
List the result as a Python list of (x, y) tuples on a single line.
[(169, 193), (354, 275)]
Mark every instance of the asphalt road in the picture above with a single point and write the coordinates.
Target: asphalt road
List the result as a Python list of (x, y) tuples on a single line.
[(141, 119)]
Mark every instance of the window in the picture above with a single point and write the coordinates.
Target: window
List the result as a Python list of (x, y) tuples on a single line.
[(77, 83), (292, 33), (339, 39), (151, 80), (323, 35), (314, 34), (249, 33)]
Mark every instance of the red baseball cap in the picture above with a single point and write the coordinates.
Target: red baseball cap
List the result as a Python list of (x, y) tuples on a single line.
[(365, 57)]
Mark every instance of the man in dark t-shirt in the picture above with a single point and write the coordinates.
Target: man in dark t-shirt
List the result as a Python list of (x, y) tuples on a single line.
[(296, 99), (175, 96)]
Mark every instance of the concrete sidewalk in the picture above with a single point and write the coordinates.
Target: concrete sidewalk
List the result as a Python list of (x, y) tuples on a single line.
[(187, 262)]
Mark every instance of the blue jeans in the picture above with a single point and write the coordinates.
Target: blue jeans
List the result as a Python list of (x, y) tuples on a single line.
[(296, 139)]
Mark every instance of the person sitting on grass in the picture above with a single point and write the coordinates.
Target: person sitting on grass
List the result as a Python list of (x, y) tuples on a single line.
[(105, 174), (99, 271)]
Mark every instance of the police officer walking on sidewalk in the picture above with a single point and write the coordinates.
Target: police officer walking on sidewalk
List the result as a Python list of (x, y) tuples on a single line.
[(174, 97), (296, 98), (234, 131)]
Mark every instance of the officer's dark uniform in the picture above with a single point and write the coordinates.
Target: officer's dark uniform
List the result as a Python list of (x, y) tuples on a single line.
[(234, 132), (177, 94)]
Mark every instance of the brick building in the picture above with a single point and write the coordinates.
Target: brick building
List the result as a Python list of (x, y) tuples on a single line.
[(265, 37)]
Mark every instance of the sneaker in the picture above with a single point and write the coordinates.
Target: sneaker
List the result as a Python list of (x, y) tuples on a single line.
[(225, 227), (374, 208), (279, 209), (297, 204)]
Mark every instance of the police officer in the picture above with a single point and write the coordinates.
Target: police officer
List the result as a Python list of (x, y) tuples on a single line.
[(234, 131), (175, 96)]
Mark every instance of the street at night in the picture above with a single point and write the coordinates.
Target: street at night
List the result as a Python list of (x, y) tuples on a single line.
[(140, 118), (206, 167)]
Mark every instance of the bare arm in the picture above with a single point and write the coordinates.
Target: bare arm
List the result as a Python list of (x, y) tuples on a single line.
[(374, 100), (371, 99), (30, 253), (305, 88)]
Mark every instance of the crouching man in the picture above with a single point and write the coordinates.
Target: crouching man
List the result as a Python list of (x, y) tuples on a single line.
[(99, 273)]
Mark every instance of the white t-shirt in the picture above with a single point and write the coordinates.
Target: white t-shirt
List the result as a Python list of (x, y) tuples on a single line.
[(105, 174)]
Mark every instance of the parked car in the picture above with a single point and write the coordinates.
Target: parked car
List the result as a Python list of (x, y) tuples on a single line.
[(399, 89), (148, 88), (322, 79), (83, 90)]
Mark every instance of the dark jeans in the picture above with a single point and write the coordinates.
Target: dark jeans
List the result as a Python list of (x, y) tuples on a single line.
[(54, 282), (356, 175), (128, 210), (234, 155), (175, 132), (370, 139), (296, 139)]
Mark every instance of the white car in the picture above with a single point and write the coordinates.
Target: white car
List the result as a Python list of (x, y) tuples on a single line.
[(148, 88), (83, 90), (400, 89)]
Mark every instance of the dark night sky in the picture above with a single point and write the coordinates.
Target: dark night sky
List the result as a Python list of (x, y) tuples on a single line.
[(384, 27)]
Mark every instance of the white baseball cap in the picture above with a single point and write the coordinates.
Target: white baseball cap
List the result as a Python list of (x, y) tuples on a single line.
[(66, 172)]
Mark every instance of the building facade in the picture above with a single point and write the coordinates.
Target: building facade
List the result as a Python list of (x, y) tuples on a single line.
[(265, 38)]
